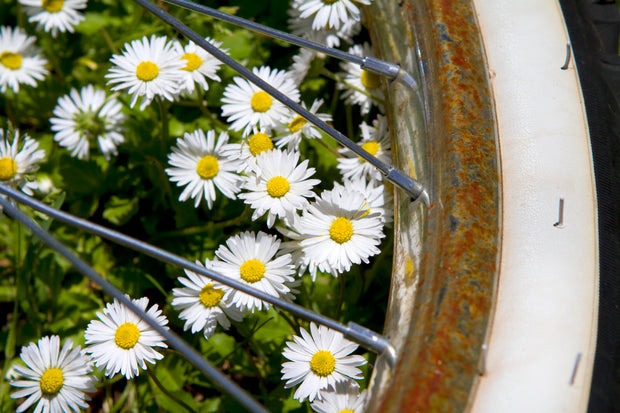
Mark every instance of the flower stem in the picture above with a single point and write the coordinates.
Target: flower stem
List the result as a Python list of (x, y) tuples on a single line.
[(167, 392), (341, 298), (165, 130), (338, 79)]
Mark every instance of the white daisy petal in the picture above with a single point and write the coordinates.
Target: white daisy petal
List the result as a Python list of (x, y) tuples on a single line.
[(56, 15), (204, 303), (87, 117), (318, 361), (367, 89), (293, 127), (57, 379), (199, 65), (278, 186), (20, 61), (201, 165), (148, 68), (338, 230), (249, 258), (248, 107), (18, 161), (376, 141), (122, 341)]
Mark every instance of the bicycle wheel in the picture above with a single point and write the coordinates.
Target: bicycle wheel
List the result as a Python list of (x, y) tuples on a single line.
[(506, 258)]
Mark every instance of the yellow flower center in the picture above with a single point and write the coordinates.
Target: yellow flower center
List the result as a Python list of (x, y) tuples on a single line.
[(371, 147), (208, 167), (209, 296), (51, 381), (277, 186), (147, 71), (259, 142), (370, 80), (127, 336), (346, 411), (341, 230), (52, 6), (323, 363), (10, 60), (296, 124), (193, 61), (252, 271), (328, 2), (8, 169), (261, 101)]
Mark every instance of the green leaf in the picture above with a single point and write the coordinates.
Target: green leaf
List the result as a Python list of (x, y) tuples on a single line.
[(8, 293), (80, 177), (94, 22), (119, 210), (276, 330)]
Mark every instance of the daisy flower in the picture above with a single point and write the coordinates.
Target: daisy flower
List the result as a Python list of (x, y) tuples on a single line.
[(330, 37), (199, 65), (249, 148), (248, 106), (204, 303), (301, 65), (278, 185), (344, 398), (330, 13), (85, 117), (147, 68), (249, 258), (57, 378), (200, 164), (121, 341), (378, 199), (18, 161), (44, 185), (292, 230), (20, 61), (338, 230), (376, 141), (361, 86), (54, 15), (318, 361), (294, 126)]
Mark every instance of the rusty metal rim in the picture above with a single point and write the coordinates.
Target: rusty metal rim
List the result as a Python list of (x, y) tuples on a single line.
[(444, 283)]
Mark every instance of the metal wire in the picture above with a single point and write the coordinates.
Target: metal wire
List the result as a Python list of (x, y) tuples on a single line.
[(361, 335), (224, 383), (372, 64), (391, 173)]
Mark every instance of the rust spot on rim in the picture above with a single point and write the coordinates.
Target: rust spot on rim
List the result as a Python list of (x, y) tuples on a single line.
[(457, 272)]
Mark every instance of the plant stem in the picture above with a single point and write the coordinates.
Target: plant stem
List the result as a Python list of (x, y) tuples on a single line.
[(205, 110), (291, 321), (349, 115), (238, 346), (338, 79), (341, 298), (9, 347), (234, 222), (329, 148), (108, 40), (165, 127), (167, 392)]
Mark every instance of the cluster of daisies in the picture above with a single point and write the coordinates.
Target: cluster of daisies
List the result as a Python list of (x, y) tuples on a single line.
[(20, 61), (257, 160)]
